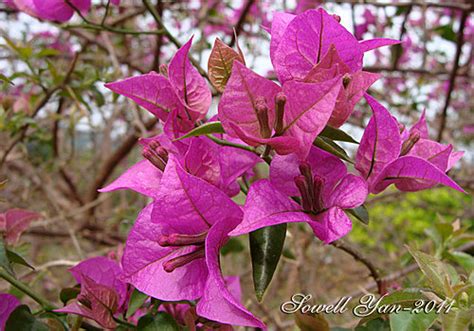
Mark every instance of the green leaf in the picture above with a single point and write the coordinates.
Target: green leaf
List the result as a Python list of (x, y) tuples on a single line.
[(435, 271), (463, 259), (208, 128), (160, 322), (266, 246), (47, 52), (360, 213), (4, 261), (69, 293), (311, 322), (375, 325), (233, 245), (446, 32), (18, 259), (337, 135), (137, 299), (457, 319), (408, 321), (404, 298), (330, 146), (21, 319), (5, 79)]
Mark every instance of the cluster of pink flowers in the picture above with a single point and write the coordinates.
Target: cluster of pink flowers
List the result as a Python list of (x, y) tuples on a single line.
[(53, 10), (173, 251)]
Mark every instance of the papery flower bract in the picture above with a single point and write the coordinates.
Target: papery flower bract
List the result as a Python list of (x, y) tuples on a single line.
[(152, 91), (382, 159), (249, 110), (172, 252), (308, 36), (322, 184), (199, 156), (8, 303), (14, 222), (179, 99), (354, 84), (52, 10), (103, 293)]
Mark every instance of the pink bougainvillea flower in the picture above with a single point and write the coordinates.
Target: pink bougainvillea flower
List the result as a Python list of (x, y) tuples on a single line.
[(8, 303), (52, 10), (354, 84), (321, 183), (308, 36), (172, 252), (199, 156), (384, 158), (14, 222), (260, 112), (103, 293), (179, 99)]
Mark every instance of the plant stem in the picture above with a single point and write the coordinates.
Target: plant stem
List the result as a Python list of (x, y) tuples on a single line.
[(27, 290), (124, 323), (231, 144)]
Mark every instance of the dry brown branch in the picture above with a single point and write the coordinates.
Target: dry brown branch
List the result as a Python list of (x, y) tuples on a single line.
[(452, 78), (240, 23)]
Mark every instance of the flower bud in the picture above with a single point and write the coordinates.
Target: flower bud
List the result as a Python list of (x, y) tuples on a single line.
[(178, 239), (318, 185), (172, 264), (262, 115), (302, 186), (280, 101), (410, 142), (337, 18), (156, 154)]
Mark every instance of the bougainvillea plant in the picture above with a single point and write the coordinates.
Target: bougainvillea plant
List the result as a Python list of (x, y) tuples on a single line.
[(193, 171)]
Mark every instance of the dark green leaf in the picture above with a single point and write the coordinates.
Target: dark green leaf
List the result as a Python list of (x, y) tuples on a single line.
[(330, 146), (160, 322), (337, 134), (18, 259), (360, 213), (375, 325), (307, 322), (408, 321), (446, 32), (137, 299), (208, 128), (266, 246), (21, 319), (69, 293), (5, 79), (4, 261), (234, 245)]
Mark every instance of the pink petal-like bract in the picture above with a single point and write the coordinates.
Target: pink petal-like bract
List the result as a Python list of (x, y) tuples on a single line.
[(411, 173), (143, 177), (307, 38), (308, 110), (14, 222), (237, 107), (152, 91), (60, 10), (8, 304), (189, 85), (143, 260), (380, 144)]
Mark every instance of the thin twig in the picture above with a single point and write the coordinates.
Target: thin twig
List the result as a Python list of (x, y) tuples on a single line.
[(452, 78), (374, 273), (240, 22)]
